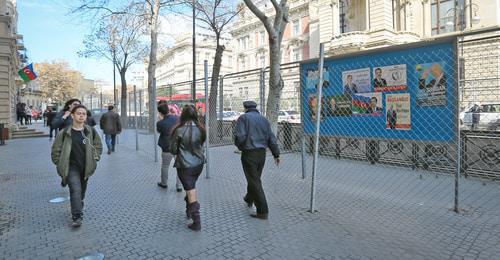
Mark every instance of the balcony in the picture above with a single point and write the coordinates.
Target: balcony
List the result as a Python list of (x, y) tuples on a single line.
[(406, 37), (350, 40)]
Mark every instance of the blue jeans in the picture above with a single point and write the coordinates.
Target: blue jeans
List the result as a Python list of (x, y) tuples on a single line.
[(110, 141)]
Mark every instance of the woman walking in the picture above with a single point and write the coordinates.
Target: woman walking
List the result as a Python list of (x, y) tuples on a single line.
[(187, 144), (75, 152)]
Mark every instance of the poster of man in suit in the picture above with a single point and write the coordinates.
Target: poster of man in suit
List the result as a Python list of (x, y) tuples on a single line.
[(356, 81), (389, 78), (431, 85), (398, 111)]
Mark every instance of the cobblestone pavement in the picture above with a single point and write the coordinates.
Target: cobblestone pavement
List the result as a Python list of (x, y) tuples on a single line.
[(364, 211)]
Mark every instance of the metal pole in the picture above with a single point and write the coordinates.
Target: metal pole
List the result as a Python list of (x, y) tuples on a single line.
[(135, 121), (114, 78), (457, 125), (193, 90), (129, 108), (207, 121), (221, 107), (261, 90), (303, 154), (318, 123), (100, 102), (91, 102), (153, 107), (140, 107)]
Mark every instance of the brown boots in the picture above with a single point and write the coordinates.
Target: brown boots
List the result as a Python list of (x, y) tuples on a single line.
[(193, 209)]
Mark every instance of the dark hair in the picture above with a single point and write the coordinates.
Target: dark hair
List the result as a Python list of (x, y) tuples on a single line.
[(89, 114), (69, 102), (163, 109), (349, 76), (162, 102), (374, 98), (379, 69), (79, 106), (111, 107), (189, 113)]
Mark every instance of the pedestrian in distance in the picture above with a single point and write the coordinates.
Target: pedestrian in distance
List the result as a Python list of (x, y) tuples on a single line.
[(187, 142), (165, 126), (90, 120), (51, 114), (28, 114), (252, 135), (20, 111), (75, 153), (111, 126), (63, 119)]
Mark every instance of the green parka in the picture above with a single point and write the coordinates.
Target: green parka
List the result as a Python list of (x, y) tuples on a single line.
[(61, 150)]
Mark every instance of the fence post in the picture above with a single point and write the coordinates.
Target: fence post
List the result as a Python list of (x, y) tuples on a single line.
[(153, 108), (140, 108), (262, 90), (207, 121), (221, 107), (135, 120), (91, 102), (457, 120), (318, 123), (129, 109), (303, 153)]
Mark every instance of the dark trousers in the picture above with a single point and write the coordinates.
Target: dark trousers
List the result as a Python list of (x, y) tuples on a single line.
[(56, 130), (20, 117), (77, 187), (253, 163)]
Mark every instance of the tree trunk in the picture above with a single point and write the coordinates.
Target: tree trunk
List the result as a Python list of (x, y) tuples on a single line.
[(123, 107), (152, 62), (275, 84), (213, 90)]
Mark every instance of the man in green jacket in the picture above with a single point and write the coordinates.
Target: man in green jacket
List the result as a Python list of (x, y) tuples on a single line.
[(75, 152)]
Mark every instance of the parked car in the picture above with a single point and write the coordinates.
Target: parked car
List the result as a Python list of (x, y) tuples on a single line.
[(487, 115), (289, 116)]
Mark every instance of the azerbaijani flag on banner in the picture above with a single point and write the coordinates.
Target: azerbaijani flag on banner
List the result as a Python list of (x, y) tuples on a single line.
[(360, 104), (27, 73)]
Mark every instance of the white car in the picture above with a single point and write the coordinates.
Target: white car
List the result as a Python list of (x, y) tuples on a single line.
[(488, 117), (289, 116), (228, 116)]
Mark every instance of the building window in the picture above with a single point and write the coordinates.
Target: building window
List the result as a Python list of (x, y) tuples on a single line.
[(230, 60), (296, 55), (447, 16), (262, 38), (342, 16), (262, 61), (296, 27)]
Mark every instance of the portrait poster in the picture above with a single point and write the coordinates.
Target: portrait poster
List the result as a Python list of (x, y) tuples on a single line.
[(312, 104), (312, 78), (389, 78), (367, 104), (338, 105), (431, 85), (397, 107), (356, 81)]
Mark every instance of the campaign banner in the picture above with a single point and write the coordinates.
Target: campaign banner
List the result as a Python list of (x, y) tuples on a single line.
[(338, 105), (398, 111), (312, 78), (389, 78), (431, 84), (356, 81), (369, 104)]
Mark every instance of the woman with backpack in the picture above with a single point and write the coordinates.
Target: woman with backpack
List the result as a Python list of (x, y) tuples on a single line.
[(187, 144), (75, 152)]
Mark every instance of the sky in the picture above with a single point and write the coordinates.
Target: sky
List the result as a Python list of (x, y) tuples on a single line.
[(51, 33)]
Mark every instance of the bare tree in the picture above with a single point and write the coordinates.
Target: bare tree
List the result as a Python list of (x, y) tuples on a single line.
[(118, 39), (275, 27), (215, 15)]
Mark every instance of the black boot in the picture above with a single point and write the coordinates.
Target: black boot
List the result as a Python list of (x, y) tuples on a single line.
[(188, 216), (194, 210)]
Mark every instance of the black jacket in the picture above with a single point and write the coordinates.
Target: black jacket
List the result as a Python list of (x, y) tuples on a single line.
[(59, 122), (187, 145), (110, 123), (253, 131), (165, 127)]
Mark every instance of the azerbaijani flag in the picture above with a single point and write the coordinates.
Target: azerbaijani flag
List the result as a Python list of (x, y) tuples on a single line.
[(27, 73), (360, 104)]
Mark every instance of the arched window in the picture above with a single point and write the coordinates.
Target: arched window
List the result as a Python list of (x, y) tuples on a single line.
[(342, 16)]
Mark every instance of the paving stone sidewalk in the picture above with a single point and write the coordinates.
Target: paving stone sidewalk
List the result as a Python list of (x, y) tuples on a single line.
[(364, 211)]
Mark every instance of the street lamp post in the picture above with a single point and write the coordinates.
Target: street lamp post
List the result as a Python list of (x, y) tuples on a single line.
[(193, 87)]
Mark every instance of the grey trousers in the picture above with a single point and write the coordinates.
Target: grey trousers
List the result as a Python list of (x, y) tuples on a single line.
[(77, 187), (166, 158)]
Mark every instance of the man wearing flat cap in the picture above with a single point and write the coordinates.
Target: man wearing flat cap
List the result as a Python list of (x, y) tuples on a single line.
[(252, 135)]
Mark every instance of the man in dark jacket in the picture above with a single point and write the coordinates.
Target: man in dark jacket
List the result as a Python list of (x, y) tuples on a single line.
[(165, 126), (111, 126), (252, 135), (63, 118)]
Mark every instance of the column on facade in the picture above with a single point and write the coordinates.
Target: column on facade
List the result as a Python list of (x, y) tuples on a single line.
[(329, 19), (380, 12)]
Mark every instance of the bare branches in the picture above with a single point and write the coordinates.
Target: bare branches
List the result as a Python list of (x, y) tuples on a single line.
[(262, 17)]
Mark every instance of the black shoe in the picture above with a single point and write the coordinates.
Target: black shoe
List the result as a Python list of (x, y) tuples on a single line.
[(179, 189), (249, 204), (259, 215), (109, 151), (164, 186), (77, 222), (63, 183)]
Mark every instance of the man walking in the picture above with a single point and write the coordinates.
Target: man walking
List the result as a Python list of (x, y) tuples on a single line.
[(111, 126), (252, 135)]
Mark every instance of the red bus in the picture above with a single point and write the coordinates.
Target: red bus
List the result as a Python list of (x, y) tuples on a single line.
[(182, 99)]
